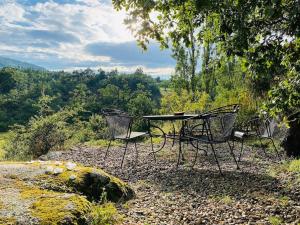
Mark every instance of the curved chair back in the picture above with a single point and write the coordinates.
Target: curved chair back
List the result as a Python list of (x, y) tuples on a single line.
[(119, 123), (220, 126), (267, 127), (226, 108)]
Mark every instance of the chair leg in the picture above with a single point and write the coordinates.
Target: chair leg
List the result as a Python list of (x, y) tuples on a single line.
[(179, 154), (241, 152), (277, 153), (153, 152), (106, 153), (232, 153), (215, 155), (124, 154), (195, 160), (205, 151), (173, 135), (260, 139)]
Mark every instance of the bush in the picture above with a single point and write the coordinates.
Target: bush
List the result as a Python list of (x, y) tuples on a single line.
[(52, 132), (41, 135), (106, 214), (172, 102)]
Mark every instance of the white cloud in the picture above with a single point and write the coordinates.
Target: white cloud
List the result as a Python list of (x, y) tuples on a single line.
[(59, 32), (92, 21), (11, 12)]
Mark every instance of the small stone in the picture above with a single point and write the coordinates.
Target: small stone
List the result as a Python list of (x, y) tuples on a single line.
[(58, 163), (73, 177), (57, 170), (70, 165), (49, 169)]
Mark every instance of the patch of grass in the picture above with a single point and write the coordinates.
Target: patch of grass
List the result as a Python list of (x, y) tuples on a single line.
[(275, 220), (290, 166), (106, 214), (3, 140), (127, 205), (225, 199), (284, 200), (294, 166)]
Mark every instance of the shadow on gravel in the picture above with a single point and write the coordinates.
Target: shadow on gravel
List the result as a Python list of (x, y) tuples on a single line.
[(206, 182), (202, 181)]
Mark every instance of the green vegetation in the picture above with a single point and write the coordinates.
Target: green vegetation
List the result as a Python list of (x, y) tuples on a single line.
[(289, 166), (106, 214), (294, 166), (74, 196), (3, 141), (243, 52), (274, 220), (54, 110), (221, 59), (52, 208)]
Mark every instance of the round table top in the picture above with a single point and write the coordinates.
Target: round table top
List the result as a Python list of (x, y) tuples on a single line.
[(170, 117)]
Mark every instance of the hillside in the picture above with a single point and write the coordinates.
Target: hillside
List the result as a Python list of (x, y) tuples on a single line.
[(7, 62)]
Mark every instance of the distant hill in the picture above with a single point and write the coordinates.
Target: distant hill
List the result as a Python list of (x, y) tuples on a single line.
[(6, 62)]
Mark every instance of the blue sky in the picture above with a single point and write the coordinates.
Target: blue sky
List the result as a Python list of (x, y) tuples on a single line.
[(75, 34)]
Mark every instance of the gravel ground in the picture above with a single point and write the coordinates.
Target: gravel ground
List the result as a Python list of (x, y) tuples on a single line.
[(167, 195)]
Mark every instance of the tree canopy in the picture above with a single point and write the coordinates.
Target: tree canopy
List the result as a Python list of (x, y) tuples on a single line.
[(266, 33)]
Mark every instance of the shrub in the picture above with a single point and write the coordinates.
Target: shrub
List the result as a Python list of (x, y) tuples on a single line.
[(106, 214), (52, 132), (172, 102), (41, 135)]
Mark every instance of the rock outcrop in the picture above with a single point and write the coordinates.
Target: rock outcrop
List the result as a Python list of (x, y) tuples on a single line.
[(54, 192)]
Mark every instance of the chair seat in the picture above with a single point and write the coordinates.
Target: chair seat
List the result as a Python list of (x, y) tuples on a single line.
[(239, 134), (132, 135)]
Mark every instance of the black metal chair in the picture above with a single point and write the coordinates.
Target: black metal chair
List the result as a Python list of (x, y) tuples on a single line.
[(119, 125), (212, 128), (256, 128)]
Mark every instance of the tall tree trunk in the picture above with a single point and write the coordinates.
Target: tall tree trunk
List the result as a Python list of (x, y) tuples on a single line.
[(291, 142), (193, 60)]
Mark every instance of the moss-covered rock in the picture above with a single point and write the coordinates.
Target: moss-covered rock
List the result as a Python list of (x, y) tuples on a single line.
[(54, 192)]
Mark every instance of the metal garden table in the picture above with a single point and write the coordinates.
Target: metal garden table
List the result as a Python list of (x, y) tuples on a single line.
[(172, 118)]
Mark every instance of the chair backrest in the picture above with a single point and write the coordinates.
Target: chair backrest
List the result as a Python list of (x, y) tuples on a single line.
[(267, 127), (220, 125), (226, 108), (119, 123)]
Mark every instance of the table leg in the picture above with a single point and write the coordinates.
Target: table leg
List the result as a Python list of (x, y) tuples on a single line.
[(160, 134)]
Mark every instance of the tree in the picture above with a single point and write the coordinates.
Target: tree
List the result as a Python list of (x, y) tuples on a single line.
[(265, 32), (7, 82)]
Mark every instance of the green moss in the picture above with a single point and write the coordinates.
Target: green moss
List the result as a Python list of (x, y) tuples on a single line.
[(58, 209), (89, 181), (52, 207), (7, 220), (33, 192)]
